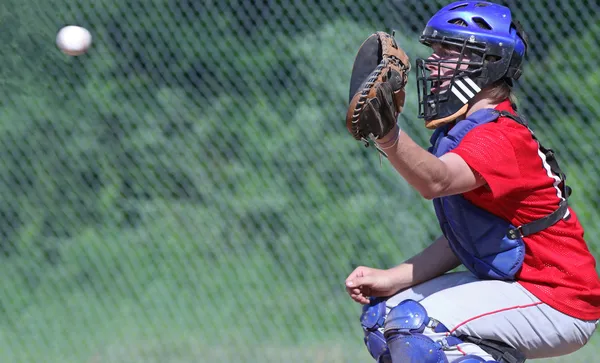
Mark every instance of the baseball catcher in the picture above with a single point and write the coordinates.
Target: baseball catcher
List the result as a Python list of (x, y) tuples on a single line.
[(530, 289)]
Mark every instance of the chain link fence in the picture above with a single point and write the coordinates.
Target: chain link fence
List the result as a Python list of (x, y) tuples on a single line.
[(187, 190)]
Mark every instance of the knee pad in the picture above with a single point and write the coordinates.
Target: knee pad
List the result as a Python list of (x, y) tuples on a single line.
[(474, 359), (372, 320), (403, 331)]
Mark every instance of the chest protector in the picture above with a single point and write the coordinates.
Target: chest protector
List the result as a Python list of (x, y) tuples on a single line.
[(490, 247)]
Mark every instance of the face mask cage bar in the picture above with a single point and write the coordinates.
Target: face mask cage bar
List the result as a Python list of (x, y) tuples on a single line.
[(470, 63)]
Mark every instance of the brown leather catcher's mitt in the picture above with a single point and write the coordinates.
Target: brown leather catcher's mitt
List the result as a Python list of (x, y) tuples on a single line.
[(377, 95)]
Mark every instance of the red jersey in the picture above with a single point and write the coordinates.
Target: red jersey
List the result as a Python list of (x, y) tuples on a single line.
[(558, 267)]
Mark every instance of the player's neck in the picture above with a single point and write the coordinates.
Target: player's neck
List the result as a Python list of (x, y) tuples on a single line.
[(480, 101)]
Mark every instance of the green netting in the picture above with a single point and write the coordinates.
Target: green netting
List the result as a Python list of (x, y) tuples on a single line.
[(187, 190)]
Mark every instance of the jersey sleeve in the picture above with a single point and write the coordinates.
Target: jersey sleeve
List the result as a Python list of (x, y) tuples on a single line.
[(491, 154)]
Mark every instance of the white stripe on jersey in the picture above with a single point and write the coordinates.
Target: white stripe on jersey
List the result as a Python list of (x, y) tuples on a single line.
[(553, 176)]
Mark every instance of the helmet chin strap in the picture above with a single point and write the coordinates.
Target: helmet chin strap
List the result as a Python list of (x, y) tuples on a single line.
[(435, 123)]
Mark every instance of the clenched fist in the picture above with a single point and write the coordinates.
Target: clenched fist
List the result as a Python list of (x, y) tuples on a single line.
[(365, 282)]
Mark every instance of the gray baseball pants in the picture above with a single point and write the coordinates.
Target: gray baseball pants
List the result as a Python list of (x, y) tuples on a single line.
[(498, 310)]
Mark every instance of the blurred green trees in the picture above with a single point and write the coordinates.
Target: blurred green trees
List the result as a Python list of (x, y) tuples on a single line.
[(188, 190)]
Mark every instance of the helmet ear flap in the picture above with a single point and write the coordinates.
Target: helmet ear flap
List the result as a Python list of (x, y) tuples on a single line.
[(515, 71), (521, 33)]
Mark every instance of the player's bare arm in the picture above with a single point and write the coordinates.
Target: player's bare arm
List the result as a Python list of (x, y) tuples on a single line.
[(433, 261), (433, 177)]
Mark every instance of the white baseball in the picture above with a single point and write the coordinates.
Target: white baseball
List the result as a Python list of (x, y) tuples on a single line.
[(74, 40)]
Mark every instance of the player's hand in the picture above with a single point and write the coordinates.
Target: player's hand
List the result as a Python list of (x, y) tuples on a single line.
[(365, 282)]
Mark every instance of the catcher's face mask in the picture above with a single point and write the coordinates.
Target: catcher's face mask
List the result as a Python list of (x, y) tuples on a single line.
[(444, 83), (488, 46)]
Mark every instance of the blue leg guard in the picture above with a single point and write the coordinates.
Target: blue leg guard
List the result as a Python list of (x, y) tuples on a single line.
[(474, 359), (403, 331), (372, 319)]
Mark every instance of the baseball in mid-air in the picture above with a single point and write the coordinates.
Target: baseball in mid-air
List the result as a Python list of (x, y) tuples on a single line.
[(73, 40)]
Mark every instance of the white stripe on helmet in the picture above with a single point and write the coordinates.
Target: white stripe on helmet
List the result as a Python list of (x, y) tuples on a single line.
[(465, 89), (472, 84), (458, 94)]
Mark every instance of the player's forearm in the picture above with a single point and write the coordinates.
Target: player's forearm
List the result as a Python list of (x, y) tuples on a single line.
[(424, 171), (433, 261)]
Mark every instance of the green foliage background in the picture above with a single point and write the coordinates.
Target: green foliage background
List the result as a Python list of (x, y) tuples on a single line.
[(187, 191)]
